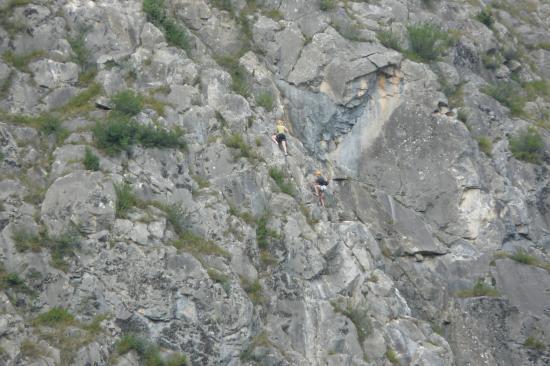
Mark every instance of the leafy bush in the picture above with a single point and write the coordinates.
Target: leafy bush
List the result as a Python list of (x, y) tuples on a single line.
[(265, 100), (539, 88), (527, 146), (175, 34), (11, 280), (485, 17), (389, 39), (176, 216), (91, 160), (507, 94), (326, 5), (56, 316), (479, 289), (428, 41), (127, 103), (462, 115), (485, 144)]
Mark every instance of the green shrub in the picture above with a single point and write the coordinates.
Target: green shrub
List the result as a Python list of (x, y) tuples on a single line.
[(125, 199), (428, 41), (265, 100), (326, 5), (389, 39), (11, 280), (127, 103), (220, 278), (119, 133), (91, 160), (533, 343), (274, 14), (279, 178), (148, 352), (479, 289), (492, 60), (486, 17), (175, 34), (527, 146), (507, 94), (201, 181), (55, 317), (32, 350), (485, 144)]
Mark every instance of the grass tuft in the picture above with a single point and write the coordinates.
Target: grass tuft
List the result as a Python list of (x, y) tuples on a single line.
[(479, 289), (91, 160), (428, 41), (125, 199), (507, 94), (55, 317), (485, 144), (279, 177)]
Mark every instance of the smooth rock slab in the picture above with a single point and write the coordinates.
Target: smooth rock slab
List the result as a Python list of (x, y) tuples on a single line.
[(81, 198)]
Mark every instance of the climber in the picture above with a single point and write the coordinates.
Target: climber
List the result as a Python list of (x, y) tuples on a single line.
[(320, 186), (279, 136)]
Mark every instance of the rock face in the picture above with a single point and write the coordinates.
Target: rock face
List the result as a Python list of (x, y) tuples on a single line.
[(433, 245)]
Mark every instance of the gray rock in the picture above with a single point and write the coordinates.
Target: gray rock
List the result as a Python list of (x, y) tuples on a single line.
[(151, 37), (51, 74), (84, 199)]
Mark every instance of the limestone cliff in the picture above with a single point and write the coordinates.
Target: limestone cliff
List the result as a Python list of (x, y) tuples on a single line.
[(147, 218)]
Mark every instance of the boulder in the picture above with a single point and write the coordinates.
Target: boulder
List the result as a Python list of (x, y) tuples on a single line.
[(84, 199)]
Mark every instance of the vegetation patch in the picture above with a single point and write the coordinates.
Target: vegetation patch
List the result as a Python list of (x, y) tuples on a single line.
[(260, 340), (80, 103), (507, 94), (11, 280), (236, 141), (485, 16), (175, 34), (148, 352), (389, 40), (239, 81), (357, 314), (201, 181), (479, 289), (327, 5), (125, 199), (265, 100), (284, 185), (127, 103), (485, 144), (21, 62), (533, 343), (198, 246), (32, 350), (521, 256), (220, 278), (527, 146), (26, 240), (428, 41), (392, 356), (91, 160), (118, 133), (254, 290), (55, 317)]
